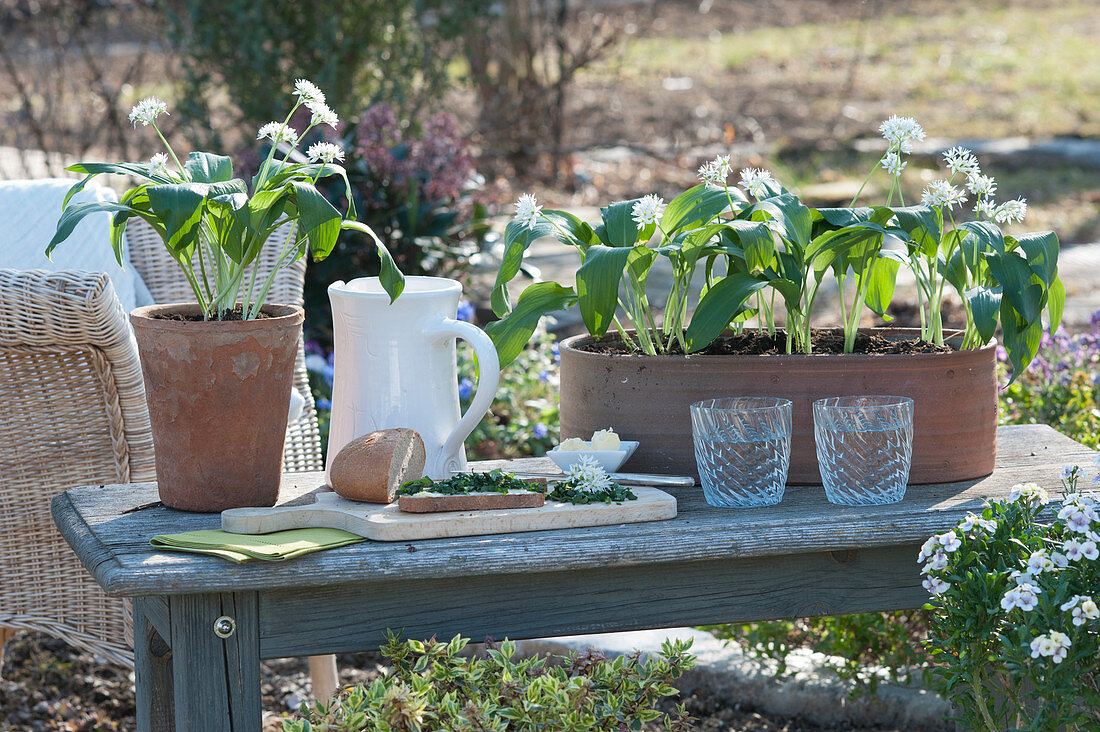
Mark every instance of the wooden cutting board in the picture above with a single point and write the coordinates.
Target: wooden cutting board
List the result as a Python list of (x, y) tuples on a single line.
[(387, 523)]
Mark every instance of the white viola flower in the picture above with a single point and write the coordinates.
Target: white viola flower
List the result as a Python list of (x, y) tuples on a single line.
[(987, 525), (1078, 520), (1086, 611), (587, 475), (322, 115), (1023, 596), (1068, 471), (981, 185), (961, 160), (1042, 646), (943, 194), (1029, 493), (147, 110), (967, 524), (647, 210), (1020, 578), (1072, 602), (527, 210), (755, 180), (1039, 562), (1073, 550), (1061, 643), (159, 163), (1061, 561), (893, 163), (936, 564), (927, 549), (935, 585), (900, 132), (307, 91), (278, 132), (1089, 551), (325, 152), (1011, 212), (949, 541)]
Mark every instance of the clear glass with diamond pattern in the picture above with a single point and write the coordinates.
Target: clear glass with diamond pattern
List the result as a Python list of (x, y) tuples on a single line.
[(742, 449), (864, 448)]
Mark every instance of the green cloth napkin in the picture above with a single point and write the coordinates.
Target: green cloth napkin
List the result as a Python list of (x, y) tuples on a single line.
[(274, 547)]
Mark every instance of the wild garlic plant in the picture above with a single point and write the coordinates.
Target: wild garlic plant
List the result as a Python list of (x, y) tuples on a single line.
[(768, 245), (1014, 621), (213, 226)]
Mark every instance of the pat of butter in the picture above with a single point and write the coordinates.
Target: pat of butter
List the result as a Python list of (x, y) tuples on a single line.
[(573, 444), (605, 440)]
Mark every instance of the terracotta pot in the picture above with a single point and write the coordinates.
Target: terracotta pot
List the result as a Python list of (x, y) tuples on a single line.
[(218, 395), (646, 398)]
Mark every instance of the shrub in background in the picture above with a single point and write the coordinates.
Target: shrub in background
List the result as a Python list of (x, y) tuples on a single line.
[(430, 686), (359, 51)]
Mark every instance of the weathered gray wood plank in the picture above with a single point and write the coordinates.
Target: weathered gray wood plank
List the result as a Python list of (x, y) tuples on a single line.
[(339, 619), (152, 672), (216, 680), (114, 544)]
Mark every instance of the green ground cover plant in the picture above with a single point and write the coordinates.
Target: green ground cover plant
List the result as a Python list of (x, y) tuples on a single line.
[(432, 686)]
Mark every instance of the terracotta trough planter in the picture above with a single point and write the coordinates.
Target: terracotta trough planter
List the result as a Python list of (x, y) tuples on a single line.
[(646, 398), (218, 396)]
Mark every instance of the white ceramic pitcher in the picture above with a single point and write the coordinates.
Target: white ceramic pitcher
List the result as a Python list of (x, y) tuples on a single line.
[(395, 366)]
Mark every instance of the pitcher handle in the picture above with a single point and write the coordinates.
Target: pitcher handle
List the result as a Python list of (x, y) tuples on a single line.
[(451, 457)]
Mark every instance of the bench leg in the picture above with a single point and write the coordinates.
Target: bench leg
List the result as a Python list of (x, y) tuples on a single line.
[(5, 636), (324, 675), (216, 662), (152, 675)]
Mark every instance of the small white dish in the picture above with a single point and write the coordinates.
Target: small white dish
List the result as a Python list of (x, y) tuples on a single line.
[(609, 460)]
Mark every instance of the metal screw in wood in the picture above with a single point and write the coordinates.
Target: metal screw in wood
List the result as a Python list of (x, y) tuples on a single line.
[(225, 626)]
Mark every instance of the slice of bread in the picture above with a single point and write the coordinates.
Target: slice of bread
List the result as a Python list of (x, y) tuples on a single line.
[(371, 468)]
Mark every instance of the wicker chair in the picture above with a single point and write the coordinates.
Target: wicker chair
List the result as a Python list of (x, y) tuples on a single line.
[(74, 413)]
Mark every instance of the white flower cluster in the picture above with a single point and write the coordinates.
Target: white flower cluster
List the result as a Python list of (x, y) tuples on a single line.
[(647, 210), (1053, 645), (325, 152), (900, 133), (893, 163), (587, 475), (147, 110), (311, 95), (278, 132), (159, 163), (935, 550), (1029, 493), (716, 171), (528, 210), (942, 194), (967, 524), (756, 181), (1082, 608)]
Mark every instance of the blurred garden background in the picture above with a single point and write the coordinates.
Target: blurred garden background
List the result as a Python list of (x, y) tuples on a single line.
[(454, 108)]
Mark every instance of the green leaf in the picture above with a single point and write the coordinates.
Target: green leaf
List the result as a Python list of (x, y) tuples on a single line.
[(756, 243), (179, 206), (517, 238), (1019, 285), (1020, 337), (512, 332), (393, 282), (598, 285), (792, 219), (698, 206), (880, 285), (317, 219), (1056, 303), (619, 224), (717, 308), (204, 167), (230, 215), (924, 224), (1041, 250), (580, 233), (985, 308), (73, 215), (91, 170)]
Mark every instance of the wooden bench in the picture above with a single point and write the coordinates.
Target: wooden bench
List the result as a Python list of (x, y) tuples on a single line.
[(803, 557)]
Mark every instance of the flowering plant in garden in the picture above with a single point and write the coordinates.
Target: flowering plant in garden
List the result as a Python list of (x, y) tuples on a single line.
[(1060, 388), (215, 225), (1014, 624), (756, 242)]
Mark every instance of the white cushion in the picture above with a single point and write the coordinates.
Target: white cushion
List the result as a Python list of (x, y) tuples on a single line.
[(29, 210)]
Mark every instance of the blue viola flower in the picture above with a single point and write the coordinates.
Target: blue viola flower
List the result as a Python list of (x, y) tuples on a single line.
[(324, 404), (541, 431), (544, 376), (466, 311), (465, 388)]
